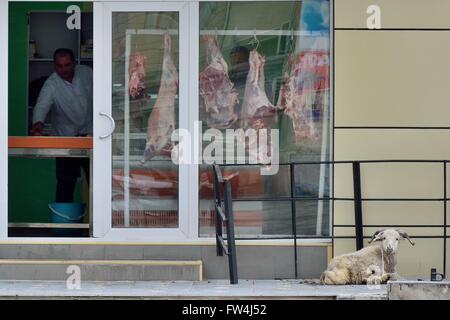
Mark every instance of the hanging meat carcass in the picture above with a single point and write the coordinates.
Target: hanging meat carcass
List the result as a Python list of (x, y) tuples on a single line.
[(136, 72), (137, 91), (217, 91), (161, 122), (257, 111), (303, 94)]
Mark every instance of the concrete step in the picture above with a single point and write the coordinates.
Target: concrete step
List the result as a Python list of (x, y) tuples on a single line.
[(259, 260), (101, 270), (102, 251)]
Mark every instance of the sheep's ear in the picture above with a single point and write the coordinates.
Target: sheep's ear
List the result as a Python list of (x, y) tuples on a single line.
[(404, 235), (376, 236)]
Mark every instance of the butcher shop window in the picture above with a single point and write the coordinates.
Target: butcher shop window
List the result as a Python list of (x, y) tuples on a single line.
[(268, 63), (145, 109)]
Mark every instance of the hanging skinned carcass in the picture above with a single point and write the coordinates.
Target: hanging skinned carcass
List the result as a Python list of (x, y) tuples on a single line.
[(219, 97), (161, 122), (304, 94), (257, 111), (137, 90), (136, 72)]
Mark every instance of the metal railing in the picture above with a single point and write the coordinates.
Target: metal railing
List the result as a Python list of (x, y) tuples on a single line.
[(357, 199), (224, 213)]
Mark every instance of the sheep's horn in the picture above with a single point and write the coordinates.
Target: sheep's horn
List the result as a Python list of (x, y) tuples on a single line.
[(405, 235), (375, 235)]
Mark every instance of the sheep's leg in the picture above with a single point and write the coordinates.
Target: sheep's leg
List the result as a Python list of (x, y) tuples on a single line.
[(374, 280), (334, 277), (390, 276)]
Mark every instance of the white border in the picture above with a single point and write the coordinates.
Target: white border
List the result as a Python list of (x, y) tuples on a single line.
[(101, 201), (193, 169), (170, 242), (331, 121)]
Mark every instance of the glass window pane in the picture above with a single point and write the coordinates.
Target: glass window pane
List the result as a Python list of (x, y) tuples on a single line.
[(145, 108), (264, 68), (312, 218), (269, 219)]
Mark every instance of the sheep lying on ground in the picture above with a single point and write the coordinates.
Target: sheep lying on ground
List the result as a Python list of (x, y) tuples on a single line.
[(370, 265)]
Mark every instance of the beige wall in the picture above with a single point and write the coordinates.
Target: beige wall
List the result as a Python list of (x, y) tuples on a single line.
[(412, 14), (393, 78)]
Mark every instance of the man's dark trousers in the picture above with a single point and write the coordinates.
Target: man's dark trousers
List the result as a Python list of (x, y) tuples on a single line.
[(67, 173)]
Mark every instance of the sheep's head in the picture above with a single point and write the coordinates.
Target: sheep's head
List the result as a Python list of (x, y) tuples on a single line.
[(390, 238)]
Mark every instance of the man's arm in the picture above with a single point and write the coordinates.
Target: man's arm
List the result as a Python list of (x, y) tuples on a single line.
[(42, 108)]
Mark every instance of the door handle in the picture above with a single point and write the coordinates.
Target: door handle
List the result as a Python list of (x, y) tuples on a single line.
[(113, 125)]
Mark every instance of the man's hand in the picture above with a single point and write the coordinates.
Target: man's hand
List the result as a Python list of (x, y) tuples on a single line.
[(37, 129)]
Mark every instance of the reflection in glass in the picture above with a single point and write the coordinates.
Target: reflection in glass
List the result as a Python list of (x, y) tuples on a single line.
[(145, 108)]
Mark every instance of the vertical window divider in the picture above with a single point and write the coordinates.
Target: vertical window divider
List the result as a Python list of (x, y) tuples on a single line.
[(193, 116)]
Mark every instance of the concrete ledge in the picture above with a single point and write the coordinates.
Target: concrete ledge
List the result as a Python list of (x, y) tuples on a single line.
[(197, 290), (102, 270), (419, 290)]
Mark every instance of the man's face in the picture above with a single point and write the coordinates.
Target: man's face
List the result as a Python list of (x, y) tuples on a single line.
[(65, 67), (238, 59)]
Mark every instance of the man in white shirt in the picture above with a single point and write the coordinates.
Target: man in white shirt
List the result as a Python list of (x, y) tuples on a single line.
[(68, 95)]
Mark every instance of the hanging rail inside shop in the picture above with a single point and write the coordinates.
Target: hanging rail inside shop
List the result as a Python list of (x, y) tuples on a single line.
[(224, 213), (234, 32), (268, 32)]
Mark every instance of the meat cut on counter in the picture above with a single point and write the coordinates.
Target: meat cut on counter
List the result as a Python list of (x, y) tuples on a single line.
[(161, 122), (304, 93), (219, 97)]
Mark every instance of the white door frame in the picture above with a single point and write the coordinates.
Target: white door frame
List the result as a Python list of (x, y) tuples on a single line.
[(102, 177)]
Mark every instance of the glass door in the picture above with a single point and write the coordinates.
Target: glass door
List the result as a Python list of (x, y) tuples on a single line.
[(141, 99)]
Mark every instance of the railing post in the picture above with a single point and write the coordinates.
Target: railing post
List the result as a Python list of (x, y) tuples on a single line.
[(445, 220), (217, 202), (358, 205), (230, 234)]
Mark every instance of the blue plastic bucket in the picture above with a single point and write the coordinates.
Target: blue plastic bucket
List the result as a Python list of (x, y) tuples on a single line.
[(67, 213)]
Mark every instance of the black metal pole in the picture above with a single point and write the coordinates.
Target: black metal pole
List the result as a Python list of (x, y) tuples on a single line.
[(445, 219), (231, 244), (293, 217), (358, 205), (217, 202)]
